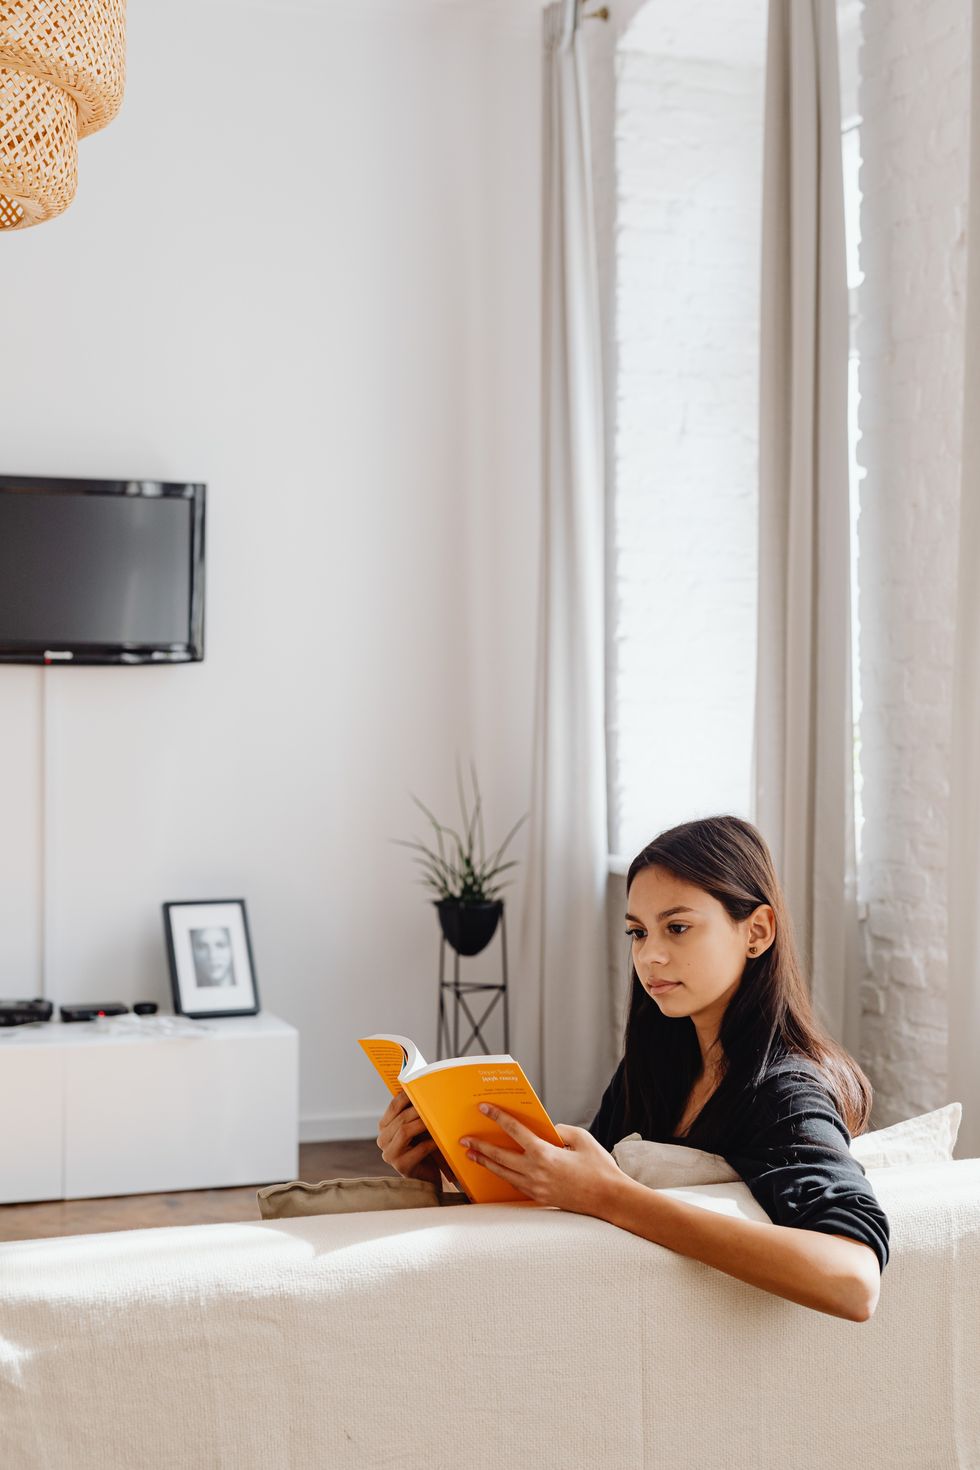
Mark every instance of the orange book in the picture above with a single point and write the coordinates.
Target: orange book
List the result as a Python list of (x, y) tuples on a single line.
[(446, 1095)]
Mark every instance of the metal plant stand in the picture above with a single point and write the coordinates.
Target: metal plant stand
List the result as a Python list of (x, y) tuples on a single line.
[(459, 993)]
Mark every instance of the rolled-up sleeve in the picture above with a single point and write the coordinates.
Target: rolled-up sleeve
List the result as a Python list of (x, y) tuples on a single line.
[(797, 1163)]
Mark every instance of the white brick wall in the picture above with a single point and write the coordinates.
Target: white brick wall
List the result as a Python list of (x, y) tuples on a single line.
[(688, 203), (914, 101)]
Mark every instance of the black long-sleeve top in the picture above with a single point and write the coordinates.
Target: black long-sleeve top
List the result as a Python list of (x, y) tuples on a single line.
[(795, 1154)]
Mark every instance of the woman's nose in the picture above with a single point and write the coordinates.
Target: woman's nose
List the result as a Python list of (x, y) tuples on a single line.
[(650, 952)]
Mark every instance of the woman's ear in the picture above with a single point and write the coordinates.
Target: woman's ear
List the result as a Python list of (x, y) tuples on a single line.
[(762, 930)]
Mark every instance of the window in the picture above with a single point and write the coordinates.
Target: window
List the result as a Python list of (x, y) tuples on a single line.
[(684, 522)]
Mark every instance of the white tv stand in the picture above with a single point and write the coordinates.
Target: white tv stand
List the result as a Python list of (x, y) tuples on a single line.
[(86, 1114)]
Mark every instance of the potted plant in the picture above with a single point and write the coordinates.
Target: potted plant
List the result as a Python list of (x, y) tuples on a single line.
[(467, 883)]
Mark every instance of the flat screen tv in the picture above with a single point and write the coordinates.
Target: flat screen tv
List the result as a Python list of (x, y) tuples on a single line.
[(101, 571)]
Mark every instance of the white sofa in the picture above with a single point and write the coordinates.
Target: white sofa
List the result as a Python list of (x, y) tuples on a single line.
[(481, 1337)]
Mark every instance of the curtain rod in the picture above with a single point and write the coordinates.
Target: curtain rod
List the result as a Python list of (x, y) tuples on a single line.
[(570, 19)]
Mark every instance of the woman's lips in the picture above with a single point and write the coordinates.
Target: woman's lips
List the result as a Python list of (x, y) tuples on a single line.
[(657, 985)]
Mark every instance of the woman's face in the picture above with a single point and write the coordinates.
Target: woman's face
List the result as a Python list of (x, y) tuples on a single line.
[(212, 953), (699, 947)]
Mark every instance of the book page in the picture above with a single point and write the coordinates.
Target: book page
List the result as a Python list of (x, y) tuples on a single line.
[(392, 1056)]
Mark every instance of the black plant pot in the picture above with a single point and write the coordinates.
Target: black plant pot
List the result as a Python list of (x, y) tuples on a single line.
[(469, 927)]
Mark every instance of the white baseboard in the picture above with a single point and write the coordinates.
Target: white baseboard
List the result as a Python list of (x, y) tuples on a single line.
[(339, 1126)]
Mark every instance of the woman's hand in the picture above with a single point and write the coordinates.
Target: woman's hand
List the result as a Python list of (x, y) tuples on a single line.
[(575, 1178), (407, 1147)]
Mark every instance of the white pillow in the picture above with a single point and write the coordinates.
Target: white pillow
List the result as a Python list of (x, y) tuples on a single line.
[(666, 1165), (926, 1139), (734, 1199), (688, 1174)]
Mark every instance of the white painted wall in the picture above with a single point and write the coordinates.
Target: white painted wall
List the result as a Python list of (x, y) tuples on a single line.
[(303, 267)]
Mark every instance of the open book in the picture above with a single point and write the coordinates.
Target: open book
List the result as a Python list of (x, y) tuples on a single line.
[(446, 1095)]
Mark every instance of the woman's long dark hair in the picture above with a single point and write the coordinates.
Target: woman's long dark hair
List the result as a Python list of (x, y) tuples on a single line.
[(769, 1015)]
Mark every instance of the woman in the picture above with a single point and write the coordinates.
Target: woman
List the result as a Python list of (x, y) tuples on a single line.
[(722, 1053), (213, 963)]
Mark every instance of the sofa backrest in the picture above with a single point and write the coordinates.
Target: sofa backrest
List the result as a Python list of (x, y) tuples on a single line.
[(482, 1335)]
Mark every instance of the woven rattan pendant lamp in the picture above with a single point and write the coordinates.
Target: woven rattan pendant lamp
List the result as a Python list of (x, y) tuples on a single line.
[(62, 73)]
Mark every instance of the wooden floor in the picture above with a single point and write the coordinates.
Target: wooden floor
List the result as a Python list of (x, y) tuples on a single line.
[(317, 1161)]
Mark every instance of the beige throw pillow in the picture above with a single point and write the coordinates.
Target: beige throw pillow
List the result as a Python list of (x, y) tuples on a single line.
[(346, 1196), (689, 1174), (669, 1165), (926, 1139), (734, 1198)]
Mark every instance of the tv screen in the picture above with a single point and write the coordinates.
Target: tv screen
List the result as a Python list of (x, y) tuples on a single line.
[(101, 571)]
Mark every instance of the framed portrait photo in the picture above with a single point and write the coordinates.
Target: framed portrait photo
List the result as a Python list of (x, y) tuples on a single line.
[(210, 954)]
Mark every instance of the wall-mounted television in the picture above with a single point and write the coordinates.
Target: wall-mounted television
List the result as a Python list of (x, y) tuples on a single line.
[(101, 571)]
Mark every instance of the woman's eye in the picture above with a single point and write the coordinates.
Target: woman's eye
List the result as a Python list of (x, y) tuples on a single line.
[(637, 933)]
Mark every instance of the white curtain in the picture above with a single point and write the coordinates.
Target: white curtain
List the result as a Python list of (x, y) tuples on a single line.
[(561, 1003), (964, 781), (803, 750)]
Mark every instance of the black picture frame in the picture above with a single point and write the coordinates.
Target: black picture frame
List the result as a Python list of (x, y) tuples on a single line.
[(202, 970)]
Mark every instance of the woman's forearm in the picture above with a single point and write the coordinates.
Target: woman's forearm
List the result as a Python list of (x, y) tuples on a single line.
[(830, 1273)]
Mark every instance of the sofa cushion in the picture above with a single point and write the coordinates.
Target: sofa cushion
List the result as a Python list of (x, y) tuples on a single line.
[(664, 1165), (928, 1138), (734, 1199), (349, 1196)]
